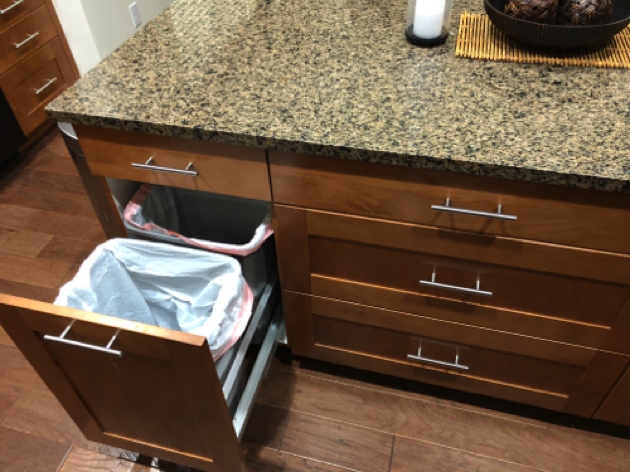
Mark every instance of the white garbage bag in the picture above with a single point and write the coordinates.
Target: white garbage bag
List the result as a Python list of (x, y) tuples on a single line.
[(164, 285)]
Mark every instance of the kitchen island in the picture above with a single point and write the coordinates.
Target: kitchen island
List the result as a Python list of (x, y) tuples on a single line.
[(449, 221)]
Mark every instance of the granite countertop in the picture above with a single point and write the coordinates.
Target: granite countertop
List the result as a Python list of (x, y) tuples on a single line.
[(337, 78)]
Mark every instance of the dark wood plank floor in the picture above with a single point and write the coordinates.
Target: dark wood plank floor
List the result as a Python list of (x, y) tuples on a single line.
[(310, 416)]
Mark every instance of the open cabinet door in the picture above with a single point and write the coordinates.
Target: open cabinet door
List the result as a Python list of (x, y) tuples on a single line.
[(152, 390)]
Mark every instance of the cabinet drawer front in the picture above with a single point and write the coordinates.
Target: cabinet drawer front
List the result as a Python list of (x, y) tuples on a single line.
[(25, 37), (616, 407), (225, 169), (35, 82), (542, 373), (552, 292), (549, 213), (161, 396), (15, 10)]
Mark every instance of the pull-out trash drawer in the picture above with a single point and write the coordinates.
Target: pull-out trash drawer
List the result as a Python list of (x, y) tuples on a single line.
[(144, 388)]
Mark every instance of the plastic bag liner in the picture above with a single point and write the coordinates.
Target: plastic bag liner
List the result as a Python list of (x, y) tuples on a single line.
[(162, 210), (163, 285)]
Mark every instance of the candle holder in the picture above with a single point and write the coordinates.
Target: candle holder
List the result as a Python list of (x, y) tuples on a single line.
[(428, 21)]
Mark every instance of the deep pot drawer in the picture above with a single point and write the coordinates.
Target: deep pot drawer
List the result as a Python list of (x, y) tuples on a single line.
[(529, 370), (25, 37), (186, 163), (35, 82), (582, 218), (12, 11), (553, 292)]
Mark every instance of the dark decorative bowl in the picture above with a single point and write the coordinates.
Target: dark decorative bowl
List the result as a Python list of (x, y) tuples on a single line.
[(558, 36)]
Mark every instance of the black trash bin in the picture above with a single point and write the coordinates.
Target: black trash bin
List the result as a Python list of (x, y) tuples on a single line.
[(238, 227)]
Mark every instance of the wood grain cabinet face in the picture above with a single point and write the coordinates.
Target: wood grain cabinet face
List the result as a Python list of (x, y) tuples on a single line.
[(222, 168), (25, 37), (15, 10), (547, 374), (35, 82), (558, 293), (616, 407), (549, 213), (162, 397)]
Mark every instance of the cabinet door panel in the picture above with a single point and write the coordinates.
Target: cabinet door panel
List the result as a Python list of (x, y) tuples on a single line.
[(161, 396)]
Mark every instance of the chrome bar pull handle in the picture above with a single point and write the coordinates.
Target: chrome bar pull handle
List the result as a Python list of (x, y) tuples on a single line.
[(107, 349), (48, 84), (27, 40), (428, 360), (476, 291), (148, 166), (11, 7), (498, 215)]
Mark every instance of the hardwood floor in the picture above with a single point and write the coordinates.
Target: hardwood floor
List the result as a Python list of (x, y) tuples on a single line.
[(310, 416)]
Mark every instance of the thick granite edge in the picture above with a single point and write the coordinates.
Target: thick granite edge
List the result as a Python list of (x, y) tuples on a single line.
[(508, 172)]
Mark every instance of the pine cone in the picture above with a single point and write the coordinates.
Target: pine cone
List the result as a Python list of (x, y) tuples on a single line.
[(584, 12), (540, 11)]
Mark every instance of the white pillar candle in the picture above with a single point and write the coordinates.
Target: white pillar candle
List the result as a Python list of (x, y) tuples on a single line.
[(427, 18)]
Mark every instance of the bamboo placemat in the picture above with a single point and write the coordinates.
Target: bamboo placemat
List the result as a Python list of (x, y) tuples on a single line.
[(479, 39)]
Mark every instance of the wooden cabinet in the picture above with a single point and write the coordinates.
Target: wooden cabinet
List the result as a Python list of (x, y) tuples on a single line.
[(373, 263), (535, 310), (36, 64), (138, 387), (142, 388)]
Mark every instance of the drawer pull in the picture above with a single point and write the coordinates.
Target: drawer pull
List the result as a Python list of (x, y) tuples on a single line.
[(453, 365), (15, 4), (27, 40), (62, 339), (499, 215), (48, 84), (148, 166), (455, 288)]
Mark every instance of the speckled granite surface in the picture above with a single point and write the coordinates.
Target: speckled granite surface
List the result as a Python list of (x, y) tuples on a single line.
[(337, 78)]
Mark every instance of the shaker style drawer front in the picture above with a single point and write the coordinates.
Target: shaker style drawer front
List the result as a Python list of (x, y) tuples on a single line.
[(542, 373), (25, 37), (35, 82), (143, 388), (177, 162), (12, 11), (556, 214), (560, 293)]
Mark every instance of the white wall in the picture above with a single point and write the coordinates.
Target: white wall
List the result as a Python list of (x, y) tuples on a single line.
[(95, 28)]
